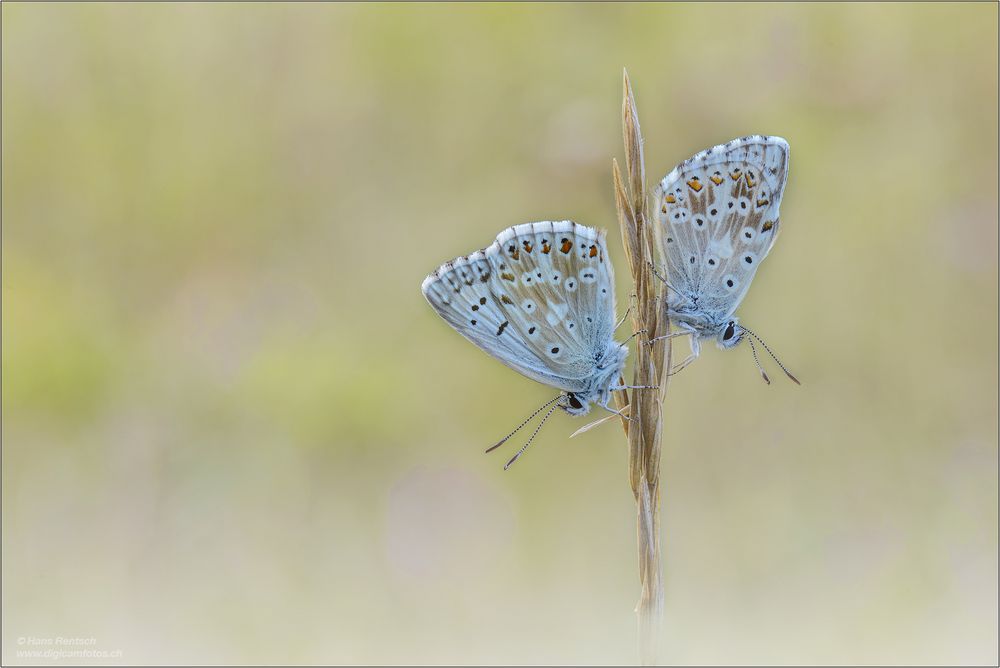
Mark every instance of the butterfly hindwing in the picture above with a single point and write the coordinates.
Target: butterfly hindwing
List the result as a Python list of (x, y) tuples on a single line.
[(560, 279), (718, 214), (540, 299)]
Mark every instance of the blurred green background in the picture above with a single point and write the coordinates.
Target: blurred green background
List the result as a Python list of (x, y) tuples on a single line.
[(233, 431)]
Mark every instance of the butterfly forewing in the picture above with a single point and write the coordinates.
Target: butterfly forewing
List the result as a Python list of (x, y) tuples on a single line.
[(462, 292), (539, 299), (718, 214)]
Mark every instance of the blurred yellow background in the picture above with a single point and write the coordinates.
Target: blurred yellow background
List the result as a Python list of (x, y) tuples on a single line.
[(233, 431)]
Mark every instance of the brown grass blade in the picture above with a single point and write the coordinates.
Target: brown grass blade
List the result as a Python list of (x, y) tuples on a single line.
[(651, 364)]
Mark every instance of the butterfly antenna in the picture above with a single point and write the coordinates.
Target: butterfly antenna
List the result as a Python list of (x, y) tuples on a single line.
[(533, 434), (757, 360), (521, 426), (771, 353)]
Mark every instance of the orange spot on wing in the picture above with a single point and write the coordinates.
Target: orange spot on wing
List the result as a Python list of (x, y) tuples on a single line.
[(527, 246), (750, 181), (767, 226), (762, 202), (694, 184), (504, 298), (735, 174), (546, 248), (593, 251), (515, 254), (507, 277), (717, 180), (669, 199), (566, 246)]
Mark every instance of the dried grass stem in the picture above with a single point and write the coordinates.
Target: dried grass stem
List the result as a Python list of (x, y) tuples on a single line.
[(649, 313)]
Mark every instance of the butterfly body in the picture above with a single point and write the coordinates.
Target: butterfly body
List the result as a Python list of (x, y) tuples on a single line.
[(718, 215), (540, 299)]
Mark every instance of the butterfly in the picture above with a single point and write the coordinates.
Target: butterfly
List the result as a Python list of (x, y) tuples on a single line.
[(718, 219), (539, 299)]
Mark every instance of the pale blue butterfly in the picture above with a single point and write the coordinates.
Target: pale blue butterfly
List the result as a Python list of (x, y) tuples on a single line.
[(541, 300), (718, 219)]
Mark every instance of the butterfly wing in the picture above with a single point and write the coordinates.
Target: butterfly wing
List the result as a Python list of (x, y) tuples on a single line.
[(539, 299), (718, 215)]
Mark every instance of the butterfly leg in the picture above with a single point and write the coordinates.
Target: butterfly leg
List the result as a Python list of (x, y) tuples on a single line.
[(623, 412), (634, 334), (627, 311), (652, 268), (587, 427), (677, 368), (683, 332), (603, 403), (695, 352)]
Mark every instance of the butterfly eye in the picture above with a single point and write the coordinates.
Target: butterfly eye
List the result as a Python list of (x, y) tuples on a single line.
[(574, 402), (730, 331)]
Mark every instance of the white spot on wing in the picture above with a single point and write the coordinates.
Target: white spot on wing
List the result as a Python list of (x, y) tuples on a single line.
[(722, 247), (557, 312)]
